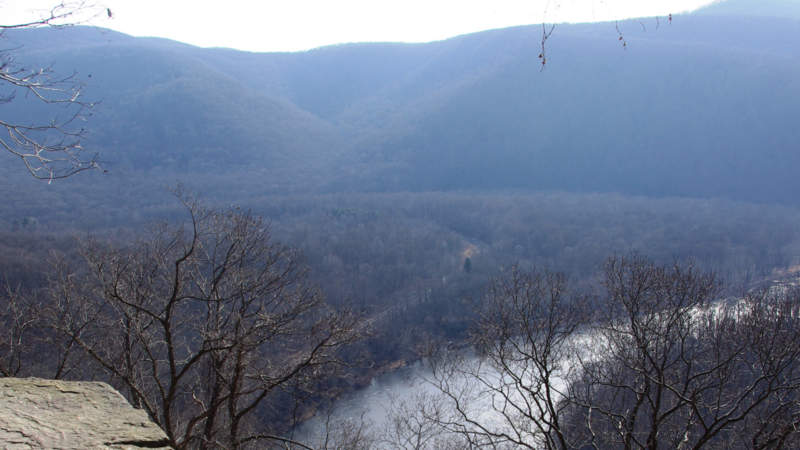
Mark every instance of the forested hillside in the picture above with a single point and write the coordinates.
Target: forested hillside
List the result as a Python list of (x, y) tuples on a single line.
[(388, 165), (281, 228), (689, 108)]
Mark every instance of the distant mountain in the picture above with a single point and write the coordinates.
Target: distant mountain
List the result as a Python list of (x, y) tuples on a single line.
[(704, 107), (166, 104)]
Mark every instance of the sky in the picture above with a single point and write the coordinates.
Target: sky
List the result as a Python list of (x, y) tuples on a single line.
[(292, 25)]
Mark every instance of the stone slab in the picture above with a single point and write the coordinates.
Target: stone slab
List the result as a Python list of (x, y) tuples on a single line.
[(40, 413)]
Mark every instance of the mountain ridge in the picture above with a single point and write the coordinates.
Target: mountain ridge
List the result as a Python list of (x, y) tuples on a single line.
[(694, 108)]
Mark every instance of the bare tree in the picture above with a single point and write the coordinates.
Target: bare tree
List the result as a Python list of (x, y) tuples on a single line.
[(29, 345), (646, 329), (511, 394), (49, 148), (341, 433), (421, 422), (206, 327), (663, 363), (673, 369), (768, 384), (19, 323)]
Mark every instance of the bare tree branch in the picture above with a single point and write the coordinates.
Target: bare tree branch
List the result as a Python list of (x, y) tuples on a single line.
[(204, 324), (50, 148)]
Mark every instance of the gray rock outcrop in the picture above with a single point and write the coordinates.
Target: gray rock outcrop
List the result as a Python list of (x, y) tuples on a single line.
[(39, 413)]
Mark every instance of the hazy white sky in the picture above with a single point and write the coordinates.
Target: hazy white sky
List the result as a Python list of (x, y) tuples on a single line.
[(286, 25)]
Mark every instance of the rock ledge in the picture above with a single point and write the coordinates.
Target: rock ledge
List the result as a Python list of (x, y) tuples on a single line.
[(39, 413)]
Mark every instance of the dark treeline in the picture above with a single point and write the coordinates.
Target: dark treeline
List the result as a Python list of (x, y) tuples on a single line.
[(427, 234), (386, 275), (400, 258)]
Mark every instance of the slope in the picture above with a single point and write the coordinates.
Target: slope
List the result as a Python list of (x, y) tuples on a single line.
[(700, 107)]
